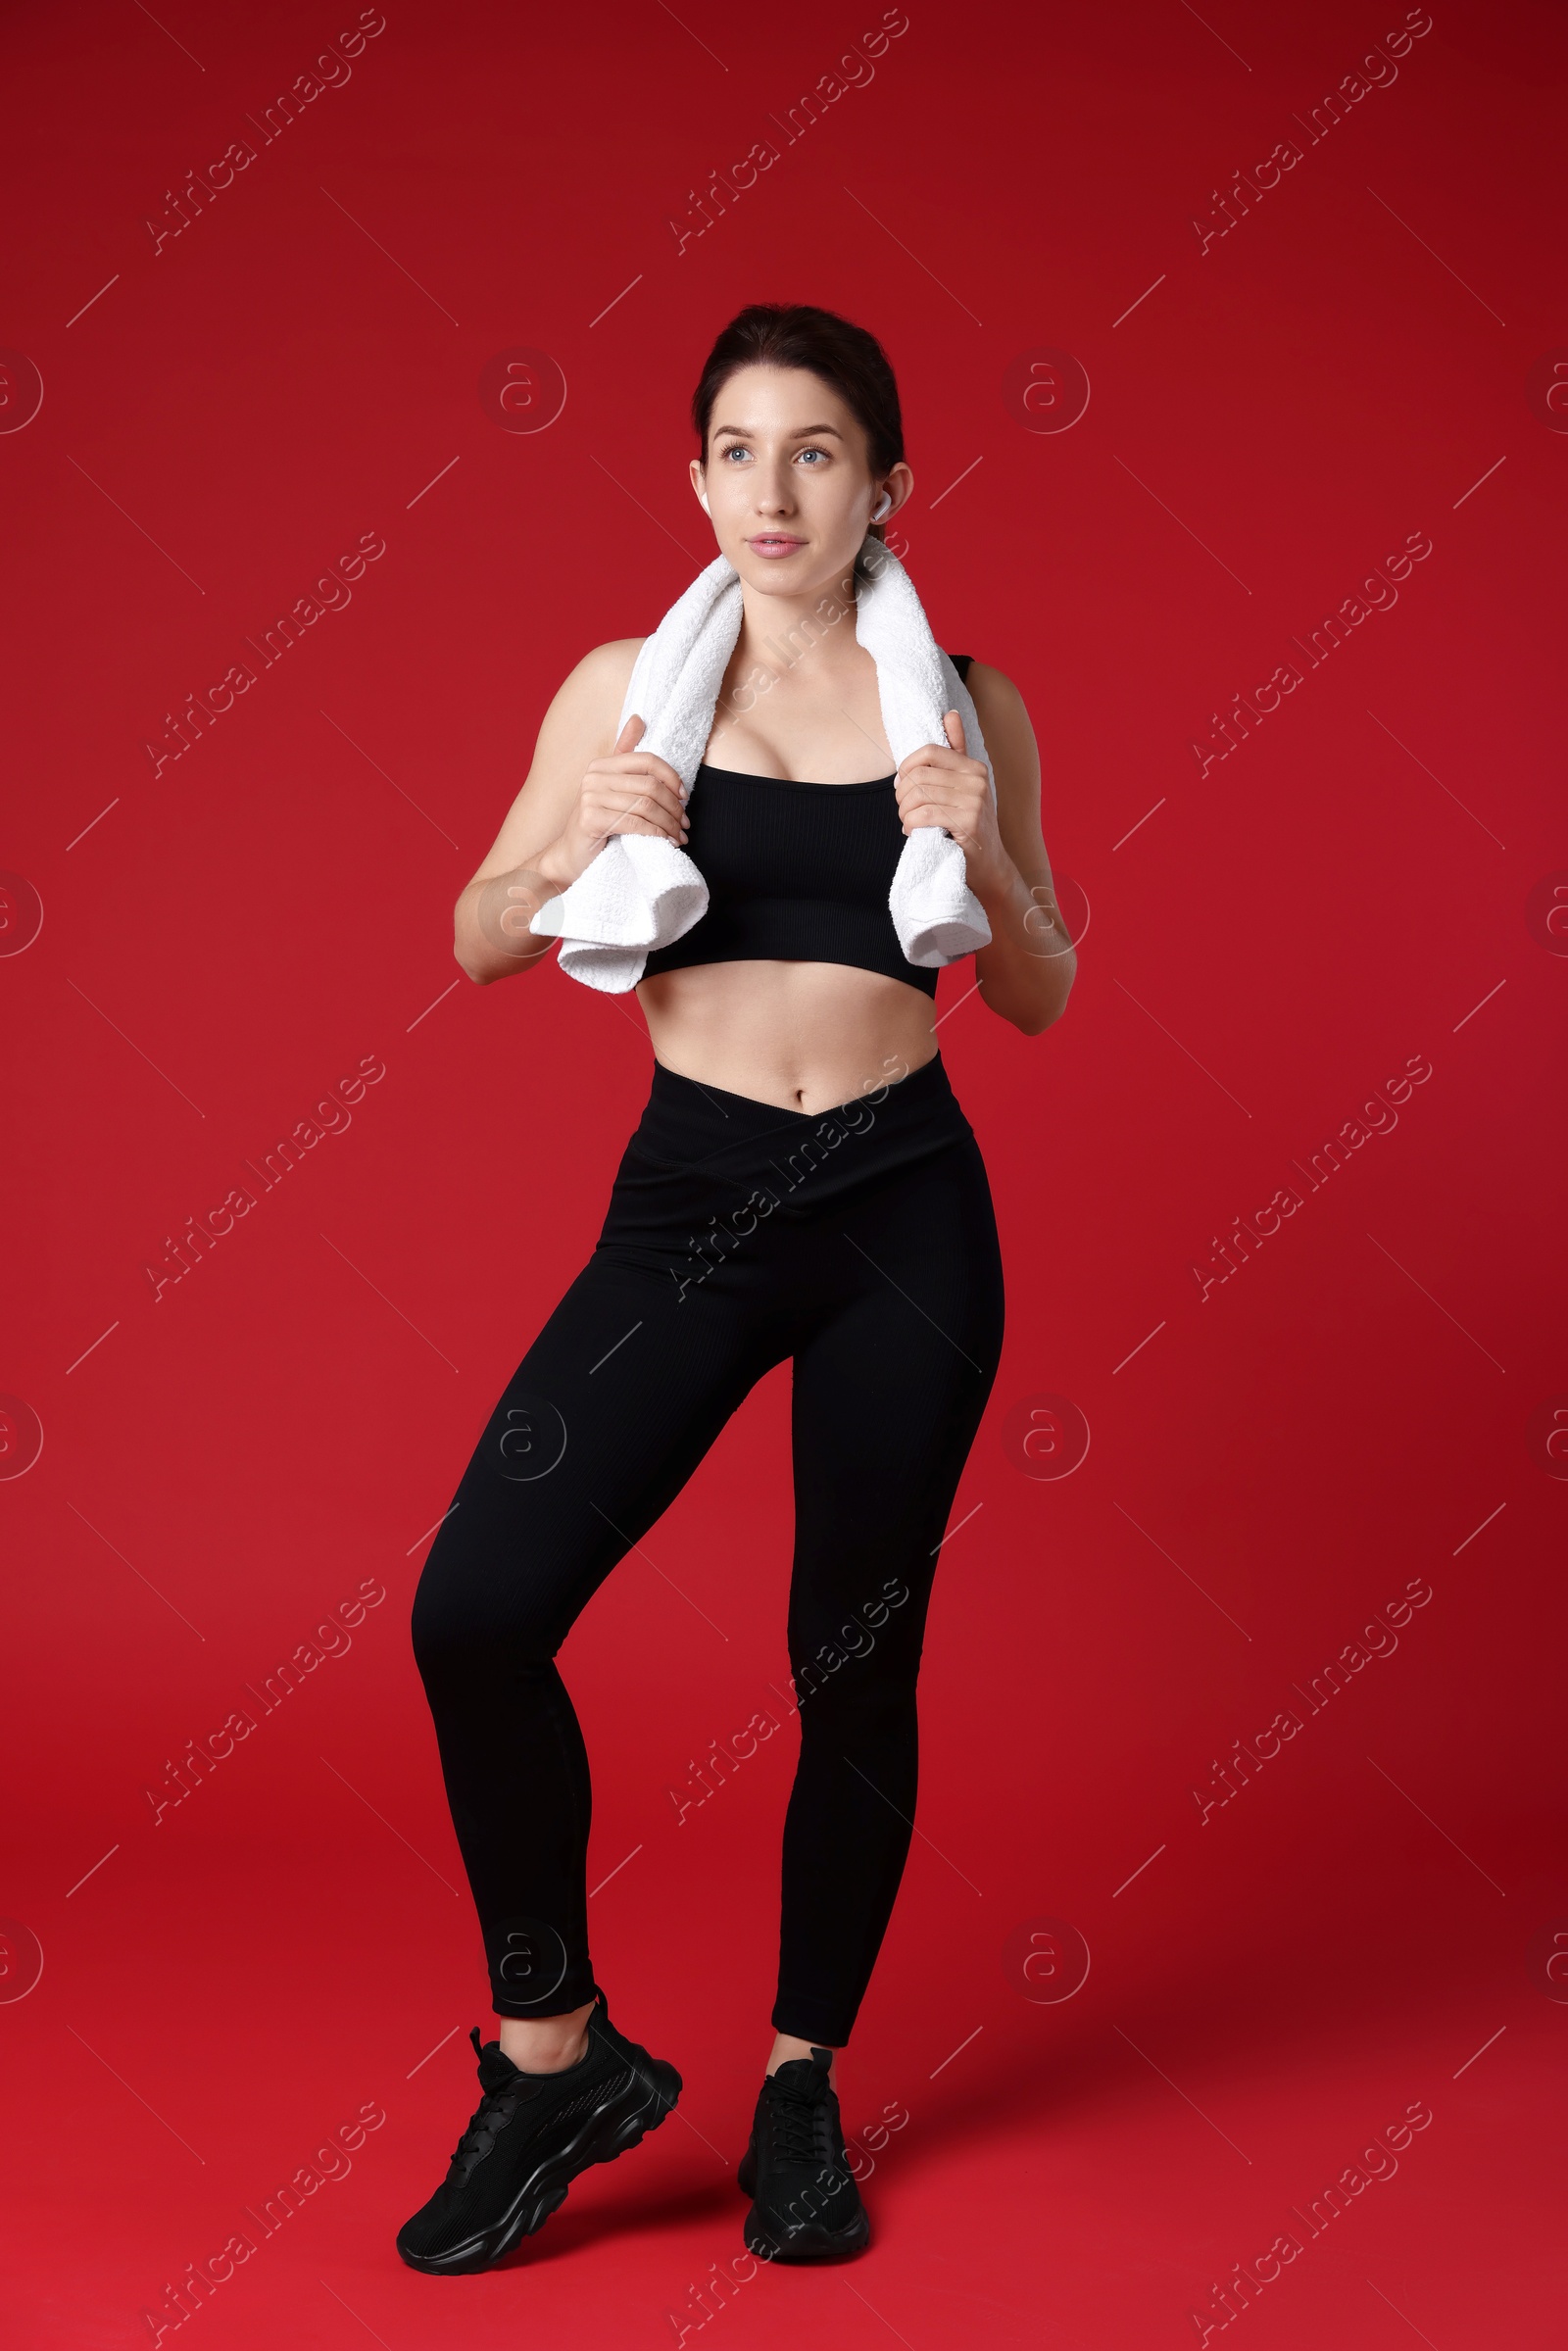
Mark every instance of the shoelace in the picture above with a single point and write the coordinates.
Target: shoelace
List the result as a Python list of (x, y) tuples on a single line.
[(495, 2110), (796, 2127)]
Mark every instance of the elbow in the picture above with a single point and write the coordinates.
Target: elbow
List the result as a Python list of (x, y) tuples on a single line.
[(480, 979), (461, 940), (1046, 1012), (467, 945)]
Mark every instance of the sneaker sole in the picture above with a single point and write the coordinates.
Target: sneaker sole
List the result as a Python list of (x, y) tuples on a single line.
[(810, 2242), (617, 2126)]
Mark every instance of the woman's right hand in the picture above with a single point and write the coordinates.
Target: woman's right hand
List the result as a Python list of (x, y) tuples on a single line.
[(629, 792)]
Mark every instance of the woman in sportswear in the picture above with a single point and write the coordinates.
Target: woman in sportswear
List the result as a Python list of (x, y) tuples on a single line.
[(803, 1184)]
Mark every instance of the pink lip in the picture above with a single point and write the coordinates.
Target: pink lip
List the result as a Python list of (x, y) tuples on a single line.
[(774, 544)]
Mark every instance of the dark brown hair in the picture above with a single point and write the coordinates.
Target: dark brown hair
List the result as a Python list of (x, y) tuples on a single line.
[(797, 334)]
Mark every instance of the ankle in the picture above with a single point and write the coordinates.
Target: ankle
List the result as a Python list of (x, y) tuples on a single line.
[(788, 2045), (545, 2044)]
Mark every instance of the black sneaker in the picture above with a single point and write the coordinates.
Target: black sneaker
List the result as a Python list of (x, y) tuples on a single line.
[(530, 2137), (806, 2204)]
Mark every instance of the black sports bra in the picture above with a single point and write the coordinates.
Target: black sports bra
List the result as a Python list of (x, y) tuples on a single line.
[(796, 874)]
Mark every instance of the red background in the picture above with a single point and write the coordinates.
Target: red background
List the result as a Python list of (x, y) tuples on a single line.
[(223, 417)]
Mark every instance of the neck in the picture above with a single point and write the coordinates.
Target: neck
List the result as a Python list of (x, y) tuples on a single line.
[(816, 625)]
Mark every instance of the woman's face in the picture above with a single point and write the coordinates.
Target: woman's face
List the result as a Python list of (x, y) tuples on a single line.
[(788, 482)]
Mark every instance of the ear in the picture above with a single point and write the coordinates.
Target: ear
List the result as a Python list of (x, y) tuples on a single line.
[(698, 486), (896, 489)]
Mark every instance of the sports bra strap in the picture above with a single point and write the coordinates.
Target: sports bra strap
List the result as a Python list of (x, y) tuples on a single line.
[(960, 662)]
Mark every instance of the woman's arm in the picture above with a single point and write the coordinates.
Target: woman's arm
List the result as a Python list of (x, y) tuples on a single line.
[(583, 786), (1027, 971)]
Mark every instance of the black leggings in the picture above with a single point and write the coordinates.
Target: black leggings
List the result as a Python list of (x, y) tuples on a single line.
[(863, 1244)]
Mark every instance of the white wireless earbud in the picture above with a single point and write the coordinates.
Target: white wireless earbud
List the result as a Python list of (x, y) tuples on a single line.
[(702, 500), (883, 506)]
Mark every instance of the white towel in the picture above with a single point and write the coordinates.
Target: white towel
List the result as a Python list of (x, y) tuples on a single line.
[(642, 892)]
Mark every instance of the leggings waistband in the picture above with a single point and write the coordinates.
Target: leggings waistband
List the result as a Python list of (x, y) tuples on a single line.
[(804, 1158)]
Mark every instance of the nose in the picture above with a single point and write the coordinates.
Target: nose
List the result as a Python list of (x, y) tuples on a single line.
[(774, 491)]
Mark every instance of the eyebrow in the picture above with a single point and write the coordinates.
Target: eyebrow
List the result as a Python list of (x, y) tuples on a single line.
[(803, 432)]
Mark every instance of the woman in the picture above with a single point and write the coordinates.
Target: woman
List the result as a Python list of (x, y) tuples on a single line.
[(803, 1184)]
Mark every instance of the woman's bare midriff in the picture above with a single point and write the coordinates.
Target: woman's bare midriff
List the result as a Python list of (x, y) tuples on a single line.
[(804, 1035)]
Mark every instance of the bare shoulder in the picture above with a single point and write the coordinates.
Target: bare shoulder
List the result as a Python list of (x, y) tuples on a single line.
[(995, 697), (580, 726), (1010, 737), (591, 695)]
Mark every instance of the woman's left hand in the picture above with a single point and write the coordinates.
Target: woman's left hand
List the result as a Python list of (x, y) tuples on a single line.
[(940, 784)]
